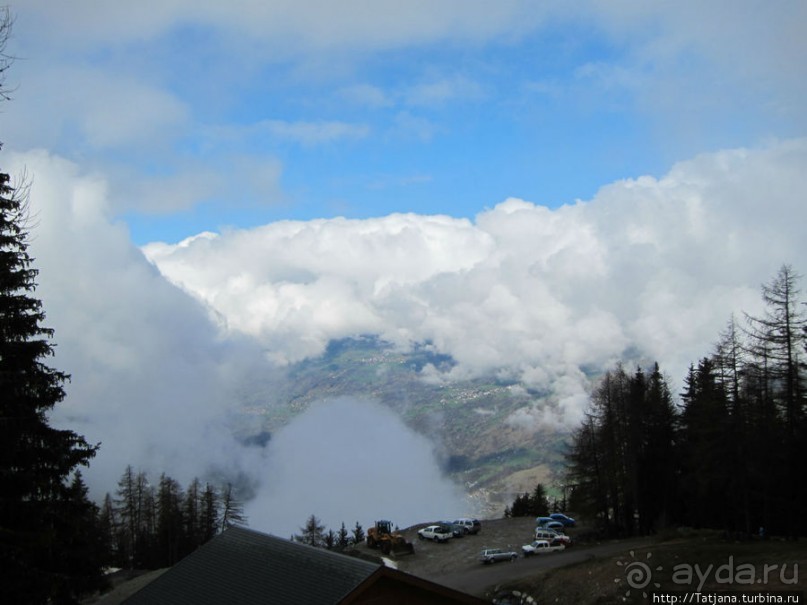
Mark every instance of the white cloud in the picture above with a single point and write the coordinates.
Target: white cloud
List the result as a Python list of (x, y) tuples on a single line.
[(439, 91), (366, 95), (154, 381), (313, 133), (654, 263), (407, 126), (151, 379), (97, 110), (760, 43), (522, 291), (235, 181), (525, 292), (332, 461), (316, 25), (321, 278)]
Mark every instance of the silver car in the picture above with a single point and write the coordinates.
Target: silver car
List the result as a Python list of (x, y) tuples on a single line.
[(494, 555)]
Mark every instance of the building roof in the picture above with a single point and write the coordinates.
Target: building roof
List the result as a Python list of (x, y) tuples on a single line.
[(387, 586), (244, 566), (249, 568)]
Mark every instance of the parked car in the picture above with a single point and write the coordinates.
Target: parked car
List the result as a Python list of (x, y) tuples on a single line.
[(494, 555), (438, 533), (472, 525), (542, 521), (567, 521), (550, 535), (457, 530), (539, 547), (554, 525)]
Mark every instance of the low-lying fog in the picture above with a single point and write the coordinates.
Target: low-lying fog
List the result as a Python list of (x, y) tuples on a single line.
[(350, 460)]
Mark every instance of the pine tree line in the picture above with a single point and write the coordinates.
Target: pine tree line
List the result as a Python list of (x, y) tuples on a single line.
[(313, 533), (730, 456), (535, 504), (148, 526)]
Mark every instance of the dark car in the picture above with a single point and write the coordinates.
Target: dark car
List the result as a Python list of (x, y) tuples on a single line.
[(457, 530), (567, 521)]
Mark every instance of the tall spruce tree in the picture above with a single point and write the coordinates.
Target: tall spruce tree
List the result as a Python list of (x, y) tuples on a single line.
[(705, 456), (358, 533), (170, 523), (622, 463), (776, 346), (232, 510), (313, 533), (777, 335), (209, 513), (38, 509), (657, 456)]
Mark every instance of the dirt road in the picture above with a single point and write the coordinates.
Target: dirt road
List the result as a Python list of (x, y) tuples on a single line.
[(480, 579)]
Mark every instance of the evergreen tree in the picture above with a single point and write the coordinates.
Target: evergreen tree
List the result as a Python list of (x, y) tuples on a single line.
[(36, 460), (209, 515), (342, 538), (313, 533), (521, 506), (136, 512), (622, 465), (535, 504), (658, 468), (610, 410), (705, 457), (111, 531), (585, 472), (191, 512), (730, 363), (358, 533), (539, 503), (85, 550), (170, 523), (149, 527), (147, 554), (777, 336), (232, 511), (777, 369)]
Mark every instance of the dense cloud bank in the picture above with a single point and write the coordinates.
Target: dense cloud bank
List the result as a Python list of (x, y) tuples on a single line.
[(649, 268), (653, 267), (350, 460)]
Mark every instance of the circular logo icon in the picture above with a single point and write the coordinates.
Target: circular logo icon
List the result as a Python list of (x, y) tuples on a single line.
[(637, 574)]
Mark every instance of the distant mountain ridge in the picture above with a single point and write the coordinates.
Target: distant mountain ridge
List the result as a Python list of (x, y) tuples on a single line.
[(466, 420)]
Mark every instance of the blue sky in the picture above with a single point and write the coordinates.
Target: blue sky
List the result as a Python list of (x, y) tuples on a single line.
[(203, 121)]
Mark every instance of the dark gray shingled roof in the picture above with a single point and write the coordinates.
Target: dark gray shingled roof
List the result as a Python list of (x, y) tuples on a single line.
[(247, 567)]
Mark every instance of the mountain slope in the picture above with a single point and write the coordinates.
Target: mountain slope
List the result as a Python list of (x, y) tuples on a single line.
[(470, 422)]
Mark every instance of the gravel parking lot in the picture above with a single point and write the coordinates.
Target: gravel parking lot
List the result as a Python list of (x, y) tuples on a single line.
[(456, 563), (434, 560)]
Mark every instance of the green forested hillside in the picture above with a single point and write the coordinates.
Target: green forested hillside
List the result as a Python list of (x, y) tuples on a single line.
[(466, 420)]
